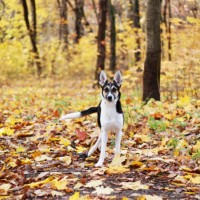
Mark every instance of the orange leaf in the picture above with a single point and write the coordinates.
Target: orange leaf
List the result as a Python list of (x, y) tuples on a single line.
[(81, 134), (56, 113), (157, 115)]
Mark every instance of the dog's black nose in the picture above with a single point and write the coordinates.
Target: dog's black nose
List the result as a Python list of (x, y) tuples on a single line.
[(109, 98)]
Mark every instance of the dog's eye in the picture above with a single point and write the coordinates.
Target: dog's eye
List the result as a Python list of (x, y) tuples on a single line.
[(106, 90), (114, 90)]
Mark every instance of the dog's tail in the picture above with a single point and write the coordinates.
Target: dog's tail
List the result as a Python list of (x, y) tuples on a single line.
[(79, 114)]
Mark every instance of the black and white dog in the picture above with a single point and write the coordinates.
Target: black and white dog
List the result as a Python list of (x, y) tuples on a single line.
[(110, 115)]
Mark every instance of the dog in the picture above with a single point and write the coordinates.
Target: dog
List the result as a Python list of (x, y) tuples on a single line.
[(109, 115)]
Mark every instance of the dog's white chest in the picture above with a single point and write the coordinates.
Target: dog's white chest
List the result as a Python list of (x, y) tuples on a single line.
[(111, 120)]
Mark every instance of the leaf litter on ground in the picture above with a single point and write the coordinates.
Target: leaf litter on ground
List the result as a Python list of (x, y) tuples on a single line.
[(39, 156)]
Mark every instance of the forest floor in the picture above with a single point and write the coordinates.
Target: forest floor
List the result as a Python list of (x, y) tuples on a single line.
[(40, 158)]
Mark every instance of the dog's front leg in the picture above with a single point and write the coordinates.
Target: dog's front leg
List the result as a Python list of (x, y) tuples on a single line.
[(104, 139), (118, 138)]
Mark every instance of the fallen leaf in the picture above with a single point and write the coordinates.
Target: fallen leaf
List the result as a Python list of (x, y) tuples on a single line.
[(65, 142), (40, 192), (43, 158), (75, 196), (4, 188), (39, 183), (56, 193), (81, 135), (136, 164), (59, 184), (20, 149), (117, 160), (6, 131), (150, 197), (117, 170), (66, 159), (134, 185), (94, 183), (101, 190)]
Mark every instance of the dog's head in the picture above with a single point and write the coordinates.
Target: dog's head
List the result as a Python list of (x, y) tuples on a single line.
[(110, 90)]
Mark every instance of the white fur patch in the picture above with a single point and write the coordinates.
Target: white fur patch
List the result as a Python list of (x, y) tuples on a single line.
[(71, 116)]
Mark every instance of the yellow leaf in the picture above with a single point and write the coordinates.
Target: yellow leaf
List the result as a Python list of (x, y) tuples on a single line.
[(134, 185), (117, 170), (4, 197), (2, 169), (38, 183), (196, 147), (176, 20), (183, 101), (180, 119), (12, 162), (193, 20), (65, 142), (20, 149), (136, 164), (11, 121), (80, 149), (60, 184), (183, 143), (151, 197), (26, 161), (195, 179), (75, 196), (125, 198), (117, 160), (6, 131), (176, 152), (143, 137)]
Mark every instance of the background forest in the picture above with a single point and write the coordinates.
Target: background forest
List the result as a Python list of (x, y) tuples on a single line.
[(50, 55), (65, 37)]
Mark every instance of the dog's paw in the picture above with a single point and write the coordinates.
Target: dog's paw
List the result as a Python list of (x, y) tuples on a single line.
[(83, 156), (99, 164)]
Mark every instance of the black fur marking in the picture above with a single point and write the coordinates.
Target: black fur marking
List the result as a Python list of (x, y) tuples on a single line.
[(115, 84), (99, 115), (89, 111), (119, 107)]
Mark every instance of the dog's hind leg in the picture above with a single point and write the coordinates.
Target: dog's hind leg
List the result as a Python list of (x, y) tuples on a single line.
[(104, 139), (118, 138), (95, 146)]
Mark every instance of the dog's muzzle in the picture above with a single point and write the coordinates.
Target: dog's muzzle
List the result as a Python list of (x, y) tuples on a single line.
[(110, 98)]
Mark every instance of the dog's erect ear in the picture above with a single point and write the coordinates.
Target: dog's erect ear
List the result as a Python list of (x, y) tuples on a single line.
[(102, 78), (118, 78)]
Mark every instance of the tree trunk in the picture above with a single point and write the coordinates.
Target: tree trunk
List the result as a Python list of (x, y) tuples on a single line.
[(112, 37), (101, 38), (63, 29), (169, 31), (167, 15), (78, 21), (151, 76), (32, 32), (135, 17)]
